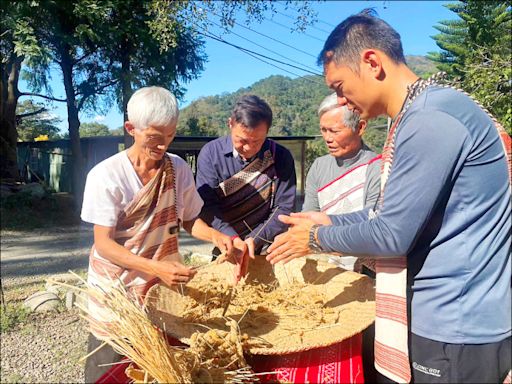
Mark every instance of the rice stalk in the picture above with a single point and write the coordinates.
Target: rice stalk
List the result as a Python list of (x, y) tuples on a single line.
[(132, 334)]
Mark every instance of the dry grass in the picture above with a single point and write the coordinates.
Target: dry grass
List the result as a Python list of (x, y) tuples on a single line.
[(214, 355), (132, 334)]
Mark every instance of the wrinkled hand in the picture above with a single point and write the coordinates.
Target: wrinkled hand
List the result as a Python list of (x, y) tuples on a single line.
[(243, 250), (173, 272), (317, 217), (291, 244)]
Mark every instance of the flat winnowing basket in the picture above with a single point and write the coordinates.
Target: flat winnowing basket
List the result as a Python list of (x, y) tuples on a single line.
[(320, 305)]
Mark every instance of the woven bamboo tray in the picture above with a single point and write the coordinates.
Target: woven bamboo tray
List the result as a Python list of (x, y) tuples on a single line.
[(350, 294)]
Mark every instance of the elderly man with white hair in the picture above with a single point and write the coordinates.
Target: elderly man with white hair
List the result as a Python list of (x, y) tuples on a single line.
[(348, 178), (137, 199)]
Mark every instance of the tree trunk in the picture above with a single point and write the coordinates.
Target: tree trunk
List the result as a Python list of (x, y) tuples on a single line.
[(126, 87), (66, 65), (9, 95)]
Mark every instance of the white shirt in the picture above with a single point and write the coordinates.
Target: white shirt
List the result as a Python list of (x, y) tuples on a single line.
[(113, 183)]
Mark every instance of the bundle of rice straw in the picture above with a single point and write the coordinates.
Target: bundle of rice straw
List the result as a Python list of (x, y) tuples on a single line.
[(216, 357), (133, 335)]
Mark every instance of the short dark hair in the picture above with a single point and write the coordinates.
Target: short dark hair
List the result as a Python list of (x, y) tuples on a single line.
[(250, 110), (357, 32)]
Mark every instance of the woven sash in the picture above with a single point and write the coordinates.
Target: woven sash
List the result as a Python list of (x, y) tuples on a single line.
[(391, 349), (391, 329), (247, 197), (345, 193), (148, 227)]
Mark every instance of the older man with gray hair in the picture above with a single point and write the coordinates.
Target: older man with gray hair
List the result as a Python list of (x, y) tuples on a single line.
[(137, 200), (348, 178)]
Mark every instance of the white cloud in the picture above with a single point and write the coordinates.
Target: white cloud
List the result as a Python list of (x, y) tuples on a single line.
[(99, 118)]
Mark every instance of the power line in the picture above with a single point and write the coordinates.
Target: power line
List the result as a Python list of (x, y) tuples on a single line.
[(258, 56), (218, 38), (287, 27), (267, 49), (270, 37), (210, 35), (293, 18), (298, 10)]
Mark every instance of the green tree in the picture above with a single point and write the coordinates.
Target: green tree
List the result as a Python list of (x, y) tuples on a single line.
[(476, 49), (375, 134), (65, 29), (119, 131), (314, 149), (94, 129), (33, 120), (140, 61), (17, 43), (488, 77), (82, 37), (480, 24)]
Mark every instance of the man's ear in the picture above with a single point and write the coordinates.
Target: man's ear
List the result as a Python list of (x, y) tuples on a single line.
[(371, 61), (129, 128), (362, 127), (230, 122)]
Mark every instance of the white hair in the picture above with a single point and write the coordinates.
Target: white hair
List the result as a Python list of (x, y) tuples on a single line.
[(350, 119), (152, 106)]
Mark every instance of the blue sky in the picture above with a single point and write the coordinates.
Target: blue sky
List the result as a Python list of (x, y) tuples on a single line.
[(229, 69)]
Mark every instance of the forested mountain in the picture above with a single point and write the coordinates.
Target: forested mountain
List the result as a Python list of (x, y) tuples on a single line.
[(421, 65), (294, 103)]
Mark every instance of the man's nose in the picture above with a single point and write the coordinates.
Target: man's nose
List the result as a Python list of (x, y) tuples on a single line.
[(327, 136), (342, 100)]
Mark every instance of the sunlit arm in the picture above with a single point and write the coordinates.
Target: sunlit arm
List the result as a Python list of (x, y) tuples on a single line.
[(170, 272)]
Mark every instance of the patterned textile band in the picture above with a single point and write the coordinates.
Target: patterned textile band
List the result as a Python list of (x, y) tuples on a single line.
[(345, 193), (391, 329), (147, 227), (337, 363), (247, 198)]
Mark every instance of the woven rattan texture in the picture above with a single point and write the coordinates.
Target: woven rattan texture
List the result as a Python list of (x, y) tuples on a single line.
[(347, 305)]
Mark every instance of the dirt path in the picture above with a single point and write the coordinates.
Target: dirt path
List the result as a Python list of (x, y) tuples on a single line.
[(26, 256), (46, 348)]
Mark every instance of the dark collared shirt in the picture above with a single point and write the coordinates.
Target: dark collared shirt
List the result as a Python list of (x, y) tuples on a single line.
[(218, 162)]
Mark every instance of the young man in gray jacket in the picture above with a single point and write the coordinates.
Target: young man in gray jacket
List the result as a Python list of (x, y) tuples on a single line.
[(441, 234)]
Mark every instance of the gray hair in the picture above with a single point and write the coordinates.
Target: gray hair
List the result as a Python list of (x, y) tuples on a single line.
[(350, 119), (152, 106)]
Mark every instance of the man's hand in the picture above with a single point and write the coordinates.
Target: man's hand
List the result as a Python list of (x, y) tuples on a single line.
[(317, 217), (223, 242), (243, 250), (173, 272), (291, 244)]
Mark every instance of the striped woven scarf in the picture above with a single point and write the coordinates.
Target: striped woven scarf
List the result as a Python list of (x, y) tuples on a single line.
[(391, 323), (148, 227), (247, 197)]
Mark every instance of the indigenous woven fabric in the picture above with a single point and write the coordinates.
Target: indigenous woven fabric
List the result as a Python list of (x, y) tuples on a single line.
[(391, 323), (148, 227), (345, 193), (338, 363), (391, 350), (247, 197)]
